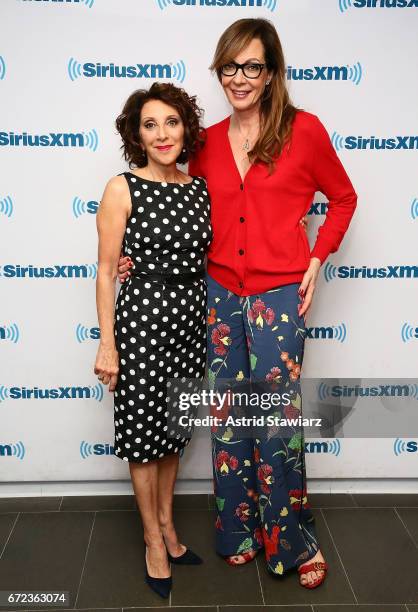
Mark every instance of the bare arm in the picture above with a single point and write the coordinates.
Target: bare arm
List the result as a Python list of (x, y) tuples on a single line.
[(113, 212)]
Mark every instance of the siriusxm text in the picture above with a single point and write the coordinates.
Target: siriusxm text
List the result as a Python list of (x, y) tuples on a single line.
[(53, 139), (57, 271), (318, 73), (217, 2), (397, 142), (385, 3), (384, 272), (54, 393), (377, 391)]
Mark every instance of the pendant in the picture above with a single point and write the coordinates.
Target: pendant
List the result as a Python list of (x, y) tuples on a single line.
[(246, 145)]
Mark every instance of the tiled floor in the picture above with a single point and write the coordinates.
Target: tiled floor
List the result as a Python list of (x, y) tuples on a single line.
[(92, 547)]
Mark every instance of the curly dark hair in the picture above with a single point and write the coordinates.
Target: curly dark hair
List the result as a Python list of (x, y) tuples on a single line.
[(127, 123)]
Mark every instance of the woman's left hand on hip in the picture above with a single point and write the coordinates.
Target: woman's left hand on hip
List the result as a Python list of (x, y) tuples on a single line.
[(307, 286)]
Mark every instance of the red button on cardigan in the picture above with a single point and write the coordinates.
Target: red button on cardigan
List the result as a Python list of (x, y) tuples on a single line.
[(271, 248)]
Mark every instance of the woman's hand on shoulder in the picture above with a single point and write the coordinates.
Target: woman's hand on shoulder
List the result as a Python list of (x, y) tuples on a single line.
[(307, 286)]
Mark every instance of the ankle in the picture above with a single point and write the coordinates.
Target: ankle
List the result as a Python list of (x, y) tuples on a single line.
[(166, 525), (153, 539)]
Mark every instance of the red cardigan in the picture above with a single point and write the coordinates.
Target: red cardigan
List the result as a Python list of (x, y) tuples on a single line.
[(258, 242)]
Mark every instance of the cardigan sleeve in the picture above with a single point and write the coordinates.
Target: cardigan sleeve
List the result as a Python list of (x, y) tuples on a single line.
[(332, 180)]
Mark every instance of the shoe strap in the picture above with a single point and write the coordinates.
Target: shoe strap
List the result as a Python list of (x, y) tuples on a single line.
[(311, 567)]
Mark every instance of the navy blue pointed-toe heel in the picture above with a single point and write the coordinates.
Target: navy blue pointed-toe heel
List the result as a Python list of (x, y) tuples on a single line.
[(187, 558), (161, 586)]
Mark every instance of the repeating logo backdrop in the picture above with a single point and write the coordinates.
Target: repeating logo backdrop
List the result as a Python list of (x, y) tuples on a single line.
[(66, 67)]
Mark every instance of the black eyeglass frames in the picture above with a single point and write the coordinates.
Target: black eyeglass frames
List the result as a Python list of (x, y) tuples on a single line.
[(251, 70)]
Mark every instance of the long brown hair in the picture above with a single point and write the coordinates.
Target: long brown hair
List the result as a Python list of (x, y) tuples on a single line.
[(276, 110)]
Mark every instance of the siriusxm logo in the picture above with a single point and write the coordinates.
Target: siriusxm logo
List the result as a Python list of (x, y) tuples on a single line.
[(346, 4), (88, 3), (53, 139), (408, 332), (332, 332), (81, 207), (83, 333), (318, 208), (9, 333), (333, 447), (99, 448), (25, 393), (404, 143), (13, 450), (414, 209), (326, 73), (403, 446), (331, 272), (56, 271), (327, 391), (2, 68), (6, 206), (271, 5), (172, 70)]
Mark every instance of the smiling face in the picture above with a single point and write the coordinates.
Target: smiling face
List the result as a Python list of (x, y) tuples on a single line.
[(162, 132), (242, 92)]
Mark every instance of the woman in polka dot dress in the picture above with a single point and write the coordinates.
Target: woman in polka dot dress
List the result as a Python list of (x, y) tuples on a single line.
[(157, 329)]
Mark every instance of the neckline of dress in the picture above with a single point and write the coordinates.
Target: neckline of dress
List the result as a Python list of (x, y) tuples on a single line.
[(140, 178)]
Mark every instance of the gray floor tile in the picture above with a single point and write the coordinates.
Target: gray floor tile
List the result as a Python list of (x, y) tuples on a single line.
[(361, 608), (379, 556), (410, 517), (6, 524), (326, 500), (81, 610), (29, 504), (266, 609), (287, 590), (99, 502), (373, 500), (114, 571), (176, 609), (191, 502), (46, 552), (213, 582)]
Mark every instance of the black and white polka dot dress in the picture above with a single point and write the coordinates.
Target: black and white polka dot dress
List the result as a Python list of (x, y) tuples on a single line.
[(160, 312)]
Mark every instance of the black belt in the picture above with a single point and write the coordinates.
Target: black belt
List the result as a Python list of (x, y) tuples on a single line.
[(170, 278)]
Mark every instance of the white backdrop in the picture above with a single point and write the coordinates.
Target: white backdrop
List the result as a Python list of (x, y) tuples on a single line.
[(51, 90)]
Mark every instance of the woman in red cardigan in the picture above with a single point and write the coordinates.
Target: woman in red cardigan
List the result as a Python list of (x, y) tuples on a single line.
[(263, 165)]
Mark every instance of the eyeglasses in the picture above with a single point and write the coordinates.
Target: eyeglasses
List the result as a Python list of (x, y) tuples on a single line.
[(251, 70)]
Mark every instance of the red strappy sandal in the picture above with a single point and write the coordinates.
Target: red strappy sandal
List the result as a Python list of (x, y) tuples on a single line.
[(247, 556), (313, 567)]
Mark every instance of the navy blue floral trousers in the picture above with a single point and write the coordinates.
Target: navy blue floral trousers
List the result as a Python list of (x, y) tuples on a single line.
[(259, 479)]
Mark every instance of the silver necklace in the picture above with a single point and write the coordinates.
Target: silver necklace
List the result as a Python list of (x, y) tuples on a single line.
[(246, 144)]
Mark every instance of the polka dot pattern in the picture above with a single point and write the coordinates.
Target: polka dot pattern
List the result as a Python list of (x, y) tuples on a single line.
[(160, 325)]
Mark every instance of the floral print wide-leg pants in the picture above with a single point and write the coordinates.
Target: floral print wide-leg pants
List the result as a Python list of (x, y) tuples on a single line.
[(259, 480)]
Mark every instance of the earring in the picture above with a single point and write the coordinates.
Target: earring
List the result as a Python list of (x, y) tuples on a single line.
[(267, 82)]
